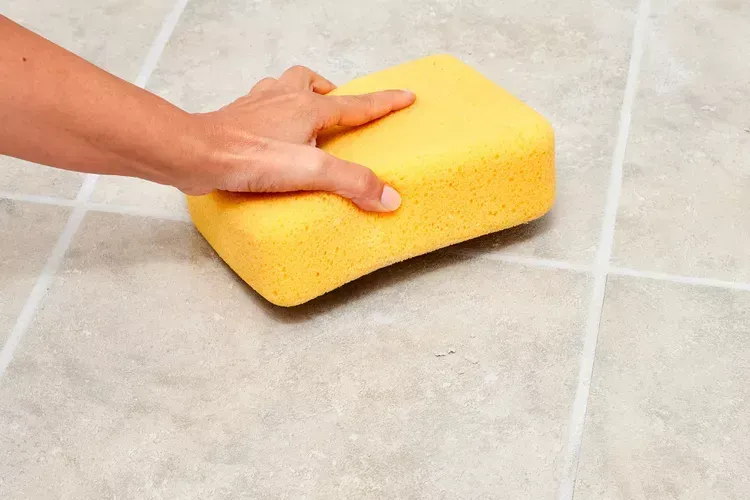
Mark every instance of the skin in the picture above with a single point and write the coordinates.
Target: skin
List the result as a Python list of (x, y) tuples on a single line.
[(59, 110)]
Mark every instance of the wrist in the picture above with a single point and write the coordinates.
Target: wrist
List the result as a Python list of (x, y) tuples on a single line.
[(182, 152)]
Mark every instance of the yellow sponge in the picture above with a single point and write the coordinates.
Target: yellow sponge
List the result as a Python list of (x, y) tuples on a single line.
[(468, 159)]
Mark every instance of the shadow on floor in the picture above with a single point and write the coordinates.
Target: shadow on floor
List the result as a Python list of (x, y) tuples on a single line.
[(398, 273)]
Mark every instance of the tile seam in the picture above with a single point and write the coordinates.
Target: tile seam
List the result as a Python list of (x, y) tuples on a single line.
[(577, 418), (55, 259)]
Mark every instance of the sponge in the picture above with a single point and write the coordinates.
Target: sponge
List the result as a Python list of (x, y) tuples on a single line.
[(467, 158)]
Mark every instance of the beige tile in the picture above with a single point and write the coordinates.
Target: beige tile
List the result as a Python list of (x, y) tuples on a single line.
[(685, 207), (129, 191), (669, 411), (28, 233), (152, 372), (113, 34), (18, 176), (568, 62)]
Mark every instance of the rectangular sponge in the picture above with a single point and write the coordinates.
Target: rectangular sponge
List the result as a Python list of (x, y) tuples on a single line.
[(467, 158)]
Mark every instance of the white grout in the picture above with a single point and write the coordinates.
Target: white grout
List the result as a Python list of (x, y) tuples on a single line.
[(160, 42), (675, 278), (606, 239), (141, 211), (44, 200), (52, 265), (526, 261), (40, 288), (501, 257)]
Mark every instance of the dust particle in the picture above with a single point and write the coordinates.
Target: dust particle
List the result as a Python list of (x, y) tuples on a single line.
[(441, 354)]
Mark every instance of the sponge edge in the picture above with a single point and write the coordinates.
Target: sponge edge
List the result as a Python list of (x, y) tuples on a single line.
[(467, 158)]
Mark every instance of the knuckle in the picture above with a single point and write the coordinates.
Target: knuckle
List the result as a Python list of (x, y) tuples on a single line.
[(307, 107), (263, 83), (320, 164), (259, 145), (261, 182), (303, 99), (366, 182), (369, 105), (298, 68)]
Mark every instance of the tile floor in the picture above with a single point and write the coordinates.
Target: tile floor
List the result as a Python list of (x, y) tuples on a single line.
[(600, 353)]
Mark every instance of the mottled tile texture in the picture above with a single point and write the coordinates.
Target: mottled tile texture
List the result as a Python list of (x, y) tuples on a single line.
[(355, 395), (113, 34), (23, 177), (150, 371), (28, 233), (669, 407), (132, 192), (685, 206)]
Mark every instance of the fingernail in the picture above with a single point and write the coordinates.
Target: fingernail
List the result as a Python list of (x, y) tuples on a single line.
[(390, 199), (410, 94)]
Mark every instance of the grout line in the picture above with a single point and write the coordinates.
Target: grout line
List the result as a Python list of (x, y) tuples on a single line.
[(160, 43), (526, 261), (40, 288), (606, 239), (501, 257), (55, 259), (87, 188), (96, 207), (675, 278), (144, 212), (32, 198)]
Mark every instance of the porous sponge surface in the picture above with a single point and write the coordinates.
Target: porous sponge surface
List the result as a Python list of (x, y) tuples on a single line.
[(468, 159)]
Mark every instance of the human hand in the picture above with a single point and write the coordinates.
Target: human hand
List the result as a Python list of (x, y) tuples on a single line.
[(265, 141), (59, 110)]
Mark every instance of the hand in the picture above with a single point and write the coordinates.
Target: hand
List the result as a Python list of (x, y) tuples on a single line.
[(265, 141), (59, 110)]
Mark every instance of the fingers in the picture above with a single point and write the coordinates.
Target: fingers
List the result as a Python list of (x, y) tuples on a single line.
[(302, 78), (358, 183), (263, 85), (283, 167), (351, 111)]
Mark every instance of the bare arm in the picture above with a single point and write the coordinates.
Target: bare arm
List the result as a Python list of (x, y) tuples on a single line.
[(59, 110)]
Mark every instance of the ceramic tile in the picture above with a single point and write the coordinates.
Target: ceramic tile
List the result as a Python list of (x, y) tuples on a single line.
[(152, 372), (685, 207), (669, 411), (18, 176), (570, 63), (113, 34), (29, 232), (130, 191)]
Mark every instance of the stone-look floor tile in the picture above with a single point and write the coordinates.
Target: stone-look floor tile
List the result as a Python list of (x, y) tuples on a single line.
[(669, 410), (568, 62), (115, 34), (23, 177), (685, 205), (28, 232), (130, 191), (153, 372)]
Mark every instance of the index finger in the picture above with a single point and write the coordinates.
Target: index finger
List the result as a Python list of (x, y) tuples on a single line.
[(351, 111)]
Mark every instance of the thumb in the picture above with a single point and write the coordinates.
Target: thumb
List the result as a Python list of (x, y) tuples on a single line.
[(357, 183), (278, 166)]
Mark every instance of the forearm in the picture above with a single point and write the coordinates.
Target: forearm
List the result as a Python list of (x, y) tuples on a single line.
[(59, 110)]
